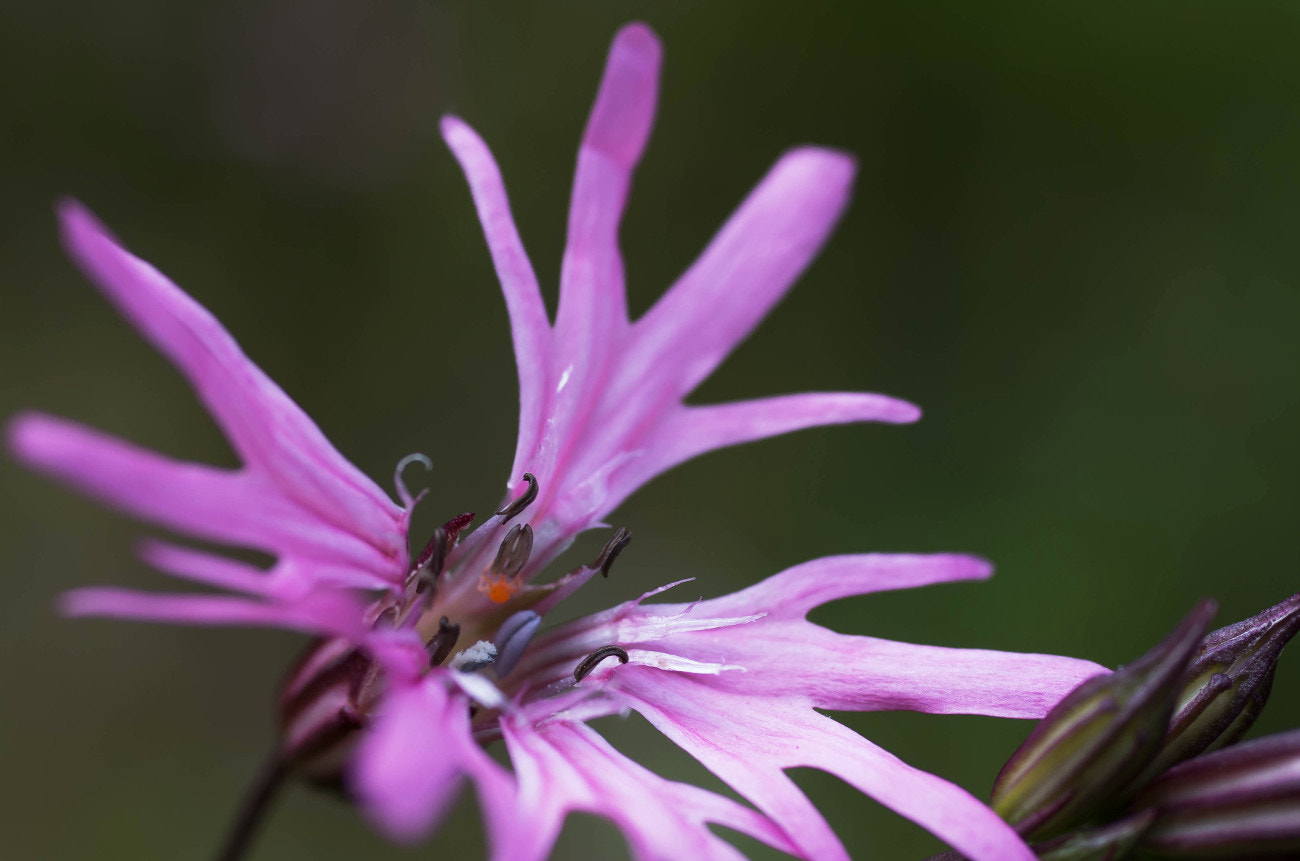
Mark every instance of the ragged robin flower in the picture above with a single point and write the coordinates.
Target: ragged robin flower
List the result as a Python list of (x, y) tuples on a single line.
[(422, 662)]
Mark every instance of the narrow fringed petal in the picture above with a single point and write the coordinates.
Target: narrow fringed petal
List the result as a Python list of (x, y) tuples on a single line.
[(287, 580), (795, 591), (869, 674), (752, 746), (529, 327), (602, 410), (237, 507), (411, 764), (323, 613), (764, 630), (591, 322), (564, 766), (200, 567), (269, 432), (745, 270), (686, 432), (805, 662)]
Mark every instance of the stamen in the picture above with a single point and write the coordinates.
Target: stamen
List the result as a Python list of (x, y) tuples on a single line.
[(515, 635), (431, 559), (514, 551), (614, 546), (501, 580), (402, 493), (455, 525), (498, 589), (589, 663), (512, 509), (441, 644), (387, 620)]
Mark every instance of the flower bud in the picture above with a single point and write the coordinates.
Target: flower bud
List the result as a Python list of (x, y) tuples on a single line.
[(1093, 742), (1227, 684), (1237, 803), (323, 703), (1106, 843)]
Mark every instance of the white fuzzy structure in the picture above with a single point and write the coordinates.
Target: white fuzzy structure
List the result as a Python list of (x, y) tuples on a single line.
[(476, 657)]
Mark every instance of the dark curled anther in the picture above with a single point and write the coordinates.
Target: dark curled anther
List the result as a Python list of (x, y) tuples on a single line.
[(441, 644), (433, 557), (614, 546), (515, 549), (589, 663), (512, 509)]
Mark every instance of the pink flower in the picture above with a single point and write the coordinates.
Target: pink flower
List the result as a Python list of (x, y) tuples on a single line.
[(400, 694)]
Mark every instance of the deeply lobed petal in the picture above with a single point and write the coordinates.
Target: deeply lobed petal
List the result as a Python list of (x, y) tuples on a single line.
[(324, 613), (295, 496), (762, 629), (270, 433), (749, 744), (529, 327), (591, 322), (601, 400), (564, 766), (411, 764), (237, 507)]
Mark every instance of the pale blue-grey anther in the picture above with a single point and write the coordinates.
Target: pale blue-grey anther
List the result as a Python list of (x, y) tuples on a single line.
[(515, 635)]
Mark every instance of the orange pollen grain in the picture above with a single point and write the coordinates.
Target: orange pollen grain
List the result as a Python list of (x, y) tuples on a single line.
[(497, 588)]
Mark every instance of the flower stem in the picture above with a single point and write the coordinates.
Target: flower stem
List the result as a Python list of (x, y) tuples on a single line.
[(257, 802)]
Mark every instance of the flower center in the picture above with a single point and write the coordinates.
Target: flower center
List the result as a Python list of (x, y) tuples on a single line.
[(330, 694)]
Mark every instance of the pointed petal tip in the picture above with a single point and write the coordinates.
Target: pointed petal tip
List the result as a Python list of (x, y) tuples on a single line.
[(450, 124), (640, 38), (17, 428), (823, 164), (67, 208), (78, 226), (459, 134), (902, 413), (90, 601), (973, 567), (27, 437)]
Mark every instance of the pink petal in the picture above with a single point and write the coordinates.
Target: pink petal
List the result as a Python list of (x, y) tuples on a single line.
[(940, 680), (746, 269), (762, 630), (321, 613), (691, 431), (265, 427), (564, 766), (805, 662), (749, 746), (592, 317), (235, 507), (528, 323), (592, 301), (206, 568), (744, 272), (795, 591), (411, 763)]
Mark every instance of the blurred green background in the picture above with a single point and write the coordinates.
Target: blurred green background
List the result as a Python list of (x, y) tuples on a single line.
[(1071, 243)]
